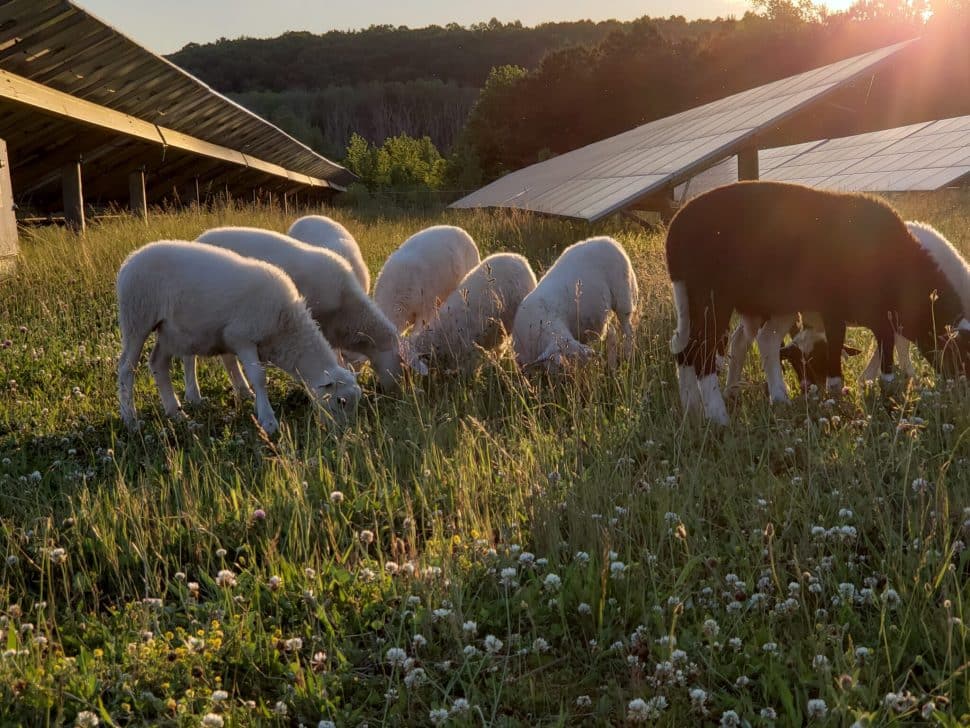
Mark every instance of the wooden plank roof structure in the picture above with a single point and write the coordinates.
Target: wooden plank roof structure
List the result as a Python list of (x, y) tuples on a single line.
[(74, 89)]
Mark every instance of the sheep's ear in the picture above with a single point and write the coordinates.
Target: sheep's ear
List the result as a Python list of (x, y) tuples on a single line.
[(411, 359), (848, 351)]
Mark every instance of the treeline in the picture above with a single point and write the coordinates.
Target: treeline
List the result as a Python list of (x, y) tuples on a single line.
[(454, 53), (635, 75)]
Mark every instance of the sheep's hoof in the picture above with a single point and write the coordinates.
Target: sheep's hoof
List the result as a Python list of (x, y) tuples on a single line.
[(270, 426), (193, 398)]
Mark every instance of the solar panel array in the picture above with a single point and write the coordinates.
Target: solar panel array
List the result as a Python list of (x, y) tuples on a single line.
[(59, 45), (611, 174), (925, 156)]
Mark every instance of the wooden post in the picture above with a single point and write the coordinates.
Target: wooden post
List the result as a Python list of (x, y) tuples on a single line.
[(194, 196), (136, 194), (286, 204), (8, 219), (73, 196), (748, 163)]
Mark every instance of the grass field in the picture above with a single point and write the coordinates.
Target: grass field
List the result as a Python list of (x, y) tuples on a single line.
[(485, 551)]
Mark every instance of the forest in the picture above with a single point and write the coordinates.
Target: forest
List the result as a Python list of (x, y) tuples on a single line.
[(494, 97)]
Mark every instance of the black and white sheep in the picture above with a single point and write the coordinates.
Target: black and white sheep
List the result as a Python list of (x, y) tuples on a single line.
[(766, 249), (202, 301)]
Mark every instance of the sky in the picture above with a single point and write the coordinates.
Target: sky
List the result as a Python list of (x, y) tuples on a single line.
[(166, 26)]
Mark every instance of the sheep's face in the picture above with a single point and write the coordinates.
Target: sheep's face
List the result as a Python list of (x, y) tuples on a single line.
[(808, 359), (564, 354), (337, 393)]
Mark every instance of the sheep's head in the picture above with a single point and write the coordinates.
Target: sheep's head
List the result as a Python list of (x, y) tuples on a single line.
[(563, 354), (337, 393), (807, 353)]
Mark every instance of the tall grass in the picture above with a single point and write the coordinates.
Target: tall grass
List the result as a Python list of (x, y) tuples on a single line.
[(487, 550)]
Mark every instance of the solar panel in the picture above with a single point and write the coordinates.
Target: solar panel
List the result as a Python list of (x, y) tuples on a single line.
[(925, 156), (611, 174)]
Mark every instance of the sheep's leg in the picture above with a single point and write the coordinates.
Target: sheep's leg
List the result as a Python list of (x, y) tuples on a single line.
[(770, 338), (192, 393), (127, 364), (239, 384), (886, 338), (715, 324), (256, 375), (160, 362), (872, 368), (738, 348), (835, 334)]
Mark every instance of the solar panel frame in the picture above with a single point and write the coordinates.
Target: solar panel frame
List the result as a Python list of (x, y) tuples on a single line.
[(668, 151)]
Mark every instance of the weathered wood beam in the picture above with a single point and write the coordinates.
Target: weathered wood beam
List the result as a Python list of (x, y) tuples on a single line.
[(73, 196), (136, 194), (8, 219)]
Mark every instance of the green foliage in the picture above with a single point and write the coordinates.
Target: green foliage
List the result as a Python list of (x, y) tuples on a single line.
[(401, 163)]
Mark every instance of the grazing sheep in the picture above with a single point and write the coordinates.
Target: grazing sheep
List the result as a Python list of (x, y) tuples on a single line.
[(207, 302), (323, 232), (422, 273), (768, 248), (572, 303), (479, 313), (347, 317)]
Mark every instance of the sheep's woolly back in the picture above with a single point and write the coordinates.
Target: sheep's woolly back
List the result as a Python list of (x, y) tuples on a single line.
[(947, 258), (324, 232)]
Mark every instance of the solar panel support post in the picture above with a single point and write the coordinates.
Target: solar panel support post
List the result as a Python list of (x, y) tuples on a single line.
[(73, 196), (194, 195), (286, 203), (8, 218), (138, 200), (748, 164)]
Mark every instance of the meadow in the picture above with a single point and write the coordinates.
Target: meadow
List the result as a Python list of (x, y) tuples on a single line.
[(491, 550)]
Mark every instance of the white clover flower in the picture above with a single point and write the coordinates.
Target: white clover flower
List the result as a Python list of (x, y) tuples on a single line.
[(86, 719), (890, 598), (552, 582), (58, 556), (698, 696), (493, 644), (336, 497), (212, 720), (396, 656), (294, 644), (470, 651), (862, 653), (413, 601), (540, 645), (617, 570), (221, 553), (711, 628), (438, 716), (730, 719), (526, 558), (641, 711), (508, 575), (461, 705), (281, 708), (584, 701), (326, 724), (225, 578), (927, 710), (219, 695), (735, 643), (768, 714), (440, 613), (391, 568), (581, 557), (366, 537), (921, 485), (419, 641), (469, 628), (847, 590), (770, 648), (416, 678), (820, 663), (817, 708), (584, 609)]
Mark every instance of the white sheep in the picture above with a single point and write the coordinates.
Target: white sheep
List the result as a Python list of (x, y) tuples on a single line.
[(347, 317), (571, 305), (479, 313), (325, 232), (204, 301), (422, 273)]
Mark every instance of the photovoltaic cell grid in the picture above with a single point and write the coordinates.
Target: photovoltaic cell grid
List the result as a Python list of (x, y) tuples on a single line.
[(611, 174), (924, 156)]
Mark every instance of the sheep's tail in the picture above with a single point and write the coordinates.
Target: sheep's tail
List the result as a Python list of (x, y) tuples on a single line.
[(682, 335)]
